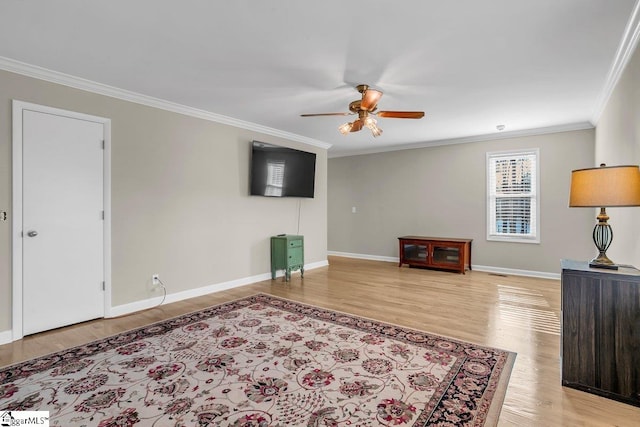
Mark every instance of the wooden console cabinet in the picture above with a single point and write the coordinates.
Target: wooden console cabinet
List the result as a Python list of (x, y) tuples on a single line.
[(435, 252), (601, 331)]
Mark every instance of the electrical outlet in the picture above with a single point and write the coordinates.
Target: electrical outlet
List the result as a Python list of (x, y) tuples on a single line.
[(155, 279)]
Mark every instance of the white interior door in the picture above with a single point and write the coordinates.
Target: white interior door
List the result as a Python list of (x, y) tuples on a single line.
[(63, 269)]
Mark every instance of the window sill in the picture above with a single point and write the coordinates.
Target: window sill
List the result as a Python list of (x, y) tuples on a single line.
[(534, 240)]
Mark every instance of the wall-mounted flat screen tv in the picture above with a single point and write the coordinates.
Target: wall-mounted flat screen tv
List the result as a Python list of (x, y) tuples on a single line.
[(281, 172)]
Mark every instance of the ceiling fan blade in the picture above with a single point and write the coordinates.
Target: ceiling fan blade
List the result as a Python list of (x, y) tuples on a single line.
[(325, 114), (370, 98), (357, 125), (401, 114)]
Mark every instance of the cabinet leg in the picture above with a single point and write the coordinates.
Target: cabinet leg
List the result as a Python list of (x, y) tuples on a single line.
[(302, 272), (273, 274)]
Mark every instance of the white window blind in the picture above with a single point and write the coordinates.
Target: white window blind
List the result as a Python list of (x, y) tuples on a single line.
[(275, 178), (512, 191)]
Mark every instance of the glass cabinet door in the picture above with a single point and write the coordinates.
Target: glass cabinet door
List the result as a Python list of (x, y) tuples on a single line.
[(446, 255), (415, 252)]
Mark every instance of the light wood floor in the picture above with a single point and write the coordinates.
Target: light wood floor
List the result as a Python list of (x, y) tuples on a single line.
[(513, 313)]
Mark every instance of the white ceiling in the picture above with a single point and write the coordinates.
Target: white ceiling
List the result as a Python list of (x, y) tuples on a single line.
[(469, 64)]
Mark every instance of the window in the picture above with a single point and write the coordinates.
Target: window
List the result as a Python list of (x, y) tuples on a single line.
[(275, 178), (512, 192)]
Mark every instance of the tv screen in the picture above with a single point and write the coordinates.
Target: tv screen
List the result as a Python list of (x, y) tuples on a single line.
[(281, 172)]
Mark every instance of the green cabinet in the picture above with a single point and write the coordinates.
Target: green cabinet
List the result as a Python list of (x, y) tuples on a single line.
[(287, 253)]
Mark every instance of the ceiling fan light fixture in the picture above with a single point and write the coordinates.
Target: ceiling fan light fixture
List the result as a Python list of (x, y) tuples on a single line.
[(345, 128), (370, 121), (370, 98), (357, 125)]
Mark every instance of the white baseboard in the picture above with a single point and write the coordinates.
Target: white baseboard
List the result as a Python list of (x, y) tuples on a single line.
[(132, 307), (516, 272), (364, 256), (6, 337), (483, 268), (204, 290), (318, 264)]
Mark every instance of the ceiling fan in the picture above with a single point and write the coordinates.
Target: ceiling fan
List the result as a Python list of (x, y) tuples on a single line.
[(365, 108)]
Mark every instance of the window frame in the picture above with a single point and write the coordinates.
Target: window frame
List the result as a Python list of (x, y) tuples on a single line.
[(494, 235), (275, 178)]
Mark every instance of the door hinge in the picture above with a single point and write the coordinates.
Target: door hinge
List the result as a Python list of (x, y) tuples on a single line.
[(102, 144), (104, 286), (102, 215)]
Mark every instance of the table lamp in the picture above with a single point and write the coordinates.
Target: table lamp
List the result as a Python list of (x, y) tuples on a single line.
[(602, 187)]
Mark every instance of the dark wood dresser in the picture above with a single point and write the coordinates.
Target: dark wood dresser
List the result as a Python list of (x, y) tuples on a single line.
[(601, 331)]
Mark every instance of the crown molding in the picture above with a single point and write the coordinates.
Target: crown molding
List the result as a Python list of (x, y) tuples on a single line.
[(476, 138), (623, 55), (41, 73)]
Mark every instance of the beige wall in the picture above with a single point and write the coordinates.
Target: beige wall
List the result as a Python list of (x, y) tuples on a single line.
[(618, 143), (441, 191), (180, 203)]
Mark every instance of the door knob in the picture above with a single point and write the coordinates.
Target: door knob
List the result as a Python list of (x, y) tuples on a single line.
[(32, 233)]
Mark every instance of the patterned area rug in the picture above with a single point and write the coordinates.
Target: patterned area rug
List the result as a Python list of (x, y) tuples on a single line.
[(264, 361)]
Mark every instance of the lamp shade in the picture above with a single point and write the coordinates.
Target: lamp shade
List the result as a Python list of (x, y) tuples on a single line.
[(605, 186)]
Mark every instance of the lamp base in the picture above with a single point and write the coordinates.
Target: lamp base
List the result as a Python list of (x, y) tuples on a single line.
[(602, 237), (594, 264)]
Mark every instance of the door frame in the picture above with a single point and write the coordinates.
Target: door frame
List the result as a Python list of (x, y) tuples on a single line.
[(17, 262)]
